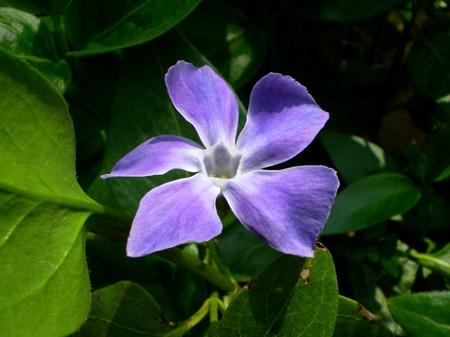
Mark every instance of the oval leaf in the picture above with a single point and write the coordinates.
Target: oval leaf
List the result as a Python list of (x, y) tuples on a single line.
[(423, 314), (123, 25), (287, 299), (370, 201)]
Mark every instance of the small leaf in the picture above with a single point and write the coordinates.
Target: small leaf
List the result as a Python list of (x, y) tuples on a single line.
[(124, 25), (353, 320), (371, 200), (30, 39), (438, 262), (287, 299), (423, 314), (124, 309)]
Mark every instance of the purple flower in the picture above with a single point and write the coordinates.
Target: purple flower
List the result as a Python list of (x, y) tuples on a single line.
[(287, 208)]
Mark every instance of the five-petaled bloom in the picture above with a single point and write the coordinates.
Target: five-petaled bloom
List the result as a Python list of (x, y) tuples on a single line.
[(287, 208)]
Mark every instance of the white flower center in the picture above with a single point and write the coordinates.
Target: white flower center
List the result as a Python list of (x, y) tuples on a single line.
[(220, 162)]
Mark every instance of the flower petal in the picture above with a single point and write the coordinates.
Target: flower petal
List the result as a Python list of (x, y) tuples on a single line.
[(157, 156), (205, 100), (287, 208), (282, 120), (178, 212)]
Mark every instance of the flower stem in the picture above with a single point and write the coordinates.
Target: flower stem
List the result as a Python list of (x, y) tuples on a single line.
[(197, 266)]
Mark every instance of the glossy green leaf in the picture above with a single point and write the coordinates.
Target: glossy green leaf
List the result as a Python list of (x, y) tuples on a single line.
[(43, 270), (353, 320), (236, 47), (344, 148), (30, 39), (371, 200), (429, 65), (345, 10), (125, 24), (124, 309), (287, 299), (438, 161), (423, 314)]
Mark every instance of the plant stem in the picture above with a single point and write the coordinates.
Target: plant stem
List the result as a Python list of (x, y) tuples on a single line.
[(197, 266)]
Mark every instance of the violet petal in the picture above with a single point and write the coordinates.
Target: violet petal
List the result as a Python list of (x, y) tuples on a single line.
[(282, 120), (205, 100), (287, 208), (157, 156), (175, 213)]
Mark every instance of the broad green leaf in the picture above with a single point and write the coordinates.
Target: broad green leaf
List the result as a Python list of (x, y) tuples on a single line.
[(243, 252), (429, 65), (124, 309), (344, 148), (287, 299), (423, 314), (44, 283), (371, 200), (345, 10), (438, 262), (122, 25), (30, 39), (353, 320), (438, 161), (235, 46)]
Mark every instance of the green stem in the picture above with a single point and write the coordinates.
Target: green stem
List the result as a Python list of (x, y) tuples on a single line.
[(217, 259), (193, 320), (194, 264)]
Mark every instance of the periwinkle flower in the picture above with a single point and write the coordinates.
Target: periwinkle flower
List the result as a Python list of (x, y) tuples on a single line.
[(287, 208)]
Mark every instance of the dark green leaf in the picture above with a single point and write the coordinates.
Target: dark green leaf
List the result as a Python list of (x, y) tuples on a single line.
[(286, 299), (343, 148), (44, 284), (124, 309), (423, 314), (39, 6), (353, 320), (371, 200), (236, 47), (429, 65), (126, 23), (30, 39), (345, 10)]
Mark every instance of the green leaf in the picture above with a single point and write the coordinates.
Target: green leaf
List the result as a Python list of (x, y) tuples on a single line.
[(243, 252), (30, 39), (438, 262), (343, 148), (429, 65), (287, 299), (235, 46), (438, 162), (39, 6), (44, 284), (124, 309), (423, 314), (127, 24), (345, 10), (353, 320), (370, 201)]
